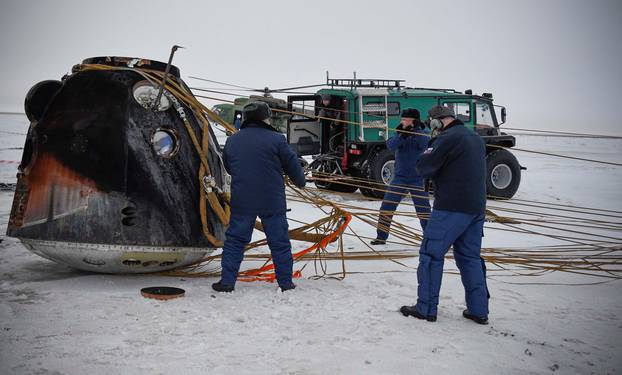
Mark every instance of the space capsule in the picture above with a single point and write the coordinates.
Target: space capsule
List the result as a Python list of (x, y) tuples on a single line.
[(108, 179)]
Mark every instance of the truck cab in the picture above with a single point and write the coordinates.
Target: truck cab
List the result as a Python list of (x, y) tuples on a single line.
[(345, 127)]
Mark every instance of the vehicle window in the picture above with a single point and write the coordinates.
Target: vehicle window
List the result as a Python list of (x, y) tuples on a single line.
[(462, 111), (484, 116), (307, 107), (394, 109)]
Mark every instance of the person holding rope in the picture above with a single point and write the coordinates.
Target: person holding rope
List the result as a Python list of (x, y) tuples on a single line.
[(455, 162), (407, 147), (256, 157)]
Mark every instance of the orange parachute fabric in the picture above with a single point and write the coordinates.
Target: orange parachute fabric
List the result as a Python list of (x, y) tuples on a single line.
[(266, 272)]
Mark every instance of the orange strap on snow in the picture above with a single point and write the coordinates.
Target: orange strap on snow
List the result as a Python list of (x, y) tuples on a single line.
[(266, 273)]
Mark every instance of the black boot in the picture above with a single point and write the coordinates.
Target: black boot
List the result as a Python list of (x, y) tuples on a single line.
[(412, 311), (477, 319), (287, 287), (378, 241), (222, 288)]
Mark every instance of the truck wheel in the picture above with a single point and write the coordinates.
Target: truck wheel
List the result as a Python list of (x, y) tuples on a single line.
[(381, 171), (336, 187), (503, 174), (329, 167)]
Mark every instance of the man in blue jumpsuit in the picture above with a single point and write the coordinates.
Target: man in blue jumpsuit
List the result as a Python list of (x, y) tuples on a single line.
[(407, 147), (256, 158), (455, 162)]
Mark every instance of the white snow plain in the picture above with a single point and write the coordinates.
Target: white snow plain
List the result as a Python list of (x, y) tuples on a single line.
[(56, 320)]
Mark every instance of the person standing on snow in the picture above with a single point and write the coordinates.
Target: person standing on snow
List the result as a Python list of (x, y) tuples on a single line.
[(407, 147), (455, 162), (256, 158)]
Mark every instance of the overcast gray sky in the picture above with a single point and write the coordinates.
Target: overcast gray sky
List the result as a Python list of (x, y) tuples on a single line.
[(553, 64)]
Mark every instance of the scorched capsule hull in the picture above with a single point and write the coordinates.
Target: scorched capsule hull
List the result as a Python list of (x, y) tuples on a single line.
[(108, 183)]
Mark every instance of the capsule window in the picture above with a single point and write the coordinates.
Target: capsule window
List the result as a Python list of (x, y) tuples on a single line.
[(165, 142), (146, 94)]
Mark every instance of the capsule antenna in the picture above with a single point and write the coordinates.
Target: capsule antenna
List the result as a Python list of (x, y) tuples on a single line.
[(156, 104)]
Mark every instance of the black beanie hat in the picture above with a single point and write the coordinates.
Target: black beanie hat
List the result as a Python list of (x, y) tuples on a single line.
[(439, 112), (256, 111), (411, 113)]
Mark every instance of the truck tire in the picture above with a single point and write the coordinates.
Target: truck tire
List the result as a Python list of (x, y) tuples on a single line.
[(381, 171), (328, 168), (502, 174), (336, 187)]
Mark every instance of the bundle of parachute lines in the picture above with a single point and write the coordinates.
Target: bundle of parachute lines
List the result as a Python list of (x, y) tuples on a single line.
[(580, 240)]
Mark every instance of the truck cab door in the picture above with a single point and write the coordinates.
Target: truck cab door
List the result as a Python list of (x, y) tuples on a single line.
[(303, 130)]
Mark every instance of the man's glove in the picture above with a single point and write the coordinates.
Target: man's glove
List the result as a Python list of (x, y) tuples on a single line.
[(428, 186)]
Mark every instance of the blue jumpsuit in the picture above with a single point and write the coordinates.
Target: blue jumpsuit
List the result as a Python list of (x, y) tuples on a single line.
[(407, 149), (256, 158), (455, 161)]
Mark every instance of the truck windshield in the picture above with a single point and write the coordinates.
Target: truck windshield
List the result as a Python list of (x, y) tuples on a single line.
[(483, 111)]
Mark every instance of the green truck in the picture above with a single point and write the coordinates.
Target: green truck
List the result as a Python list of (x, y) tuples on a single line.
[(368, 111)]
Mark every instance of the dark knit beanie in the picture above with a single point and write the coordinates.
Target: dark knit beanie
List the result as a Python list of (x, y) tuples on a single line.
[(411, 113)]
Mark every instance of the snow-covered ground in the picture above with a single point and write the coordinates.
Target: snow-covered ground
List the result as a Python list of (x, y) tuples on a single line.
[(55, 320)]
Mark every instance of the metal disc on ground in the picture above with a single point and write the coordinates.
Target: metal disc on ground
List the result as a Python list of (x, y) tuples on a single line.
[(162, 292)]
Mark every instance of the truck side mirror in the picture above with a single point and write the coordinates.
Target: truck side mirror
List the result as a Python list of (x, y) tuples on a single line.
[(503, 115)]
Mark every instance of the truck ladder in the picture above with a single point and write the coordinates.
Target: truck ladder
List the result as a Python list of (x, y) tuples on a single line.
[(376, 109)]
